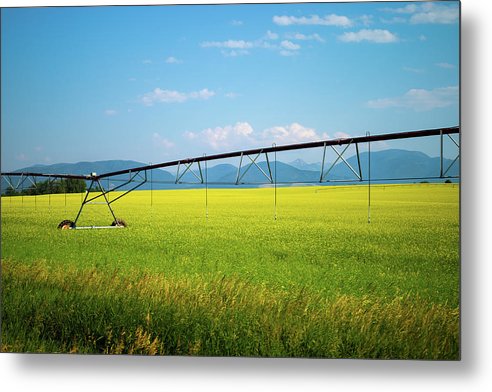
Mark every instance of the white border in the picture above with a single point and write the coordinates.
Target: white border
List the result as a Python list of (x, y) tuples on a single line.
[(93, 373)]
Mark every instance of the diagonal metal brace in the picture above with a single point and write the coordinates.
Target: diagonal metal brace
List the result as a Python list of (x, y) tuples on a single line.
[(442, 171), (21, 181), (9, 182), (187, 168), (340, 157), (253, 163)]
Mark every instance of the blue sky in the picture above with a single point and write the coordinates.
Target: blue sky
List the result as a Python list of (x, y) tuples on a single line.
[(164, 82)]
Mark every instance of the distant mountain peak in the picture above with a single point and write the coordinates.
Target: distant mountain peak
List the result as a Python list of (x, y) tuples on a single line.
[(303, 165), (298, 161)]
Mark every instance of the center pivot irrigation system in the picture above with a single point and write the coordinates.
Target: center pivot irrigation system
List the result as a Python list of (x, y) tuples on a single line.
[(137, 176)]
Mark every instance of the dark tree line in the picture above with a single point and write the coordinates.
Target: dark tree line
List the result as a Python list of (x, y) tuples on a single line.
[(69, 185)]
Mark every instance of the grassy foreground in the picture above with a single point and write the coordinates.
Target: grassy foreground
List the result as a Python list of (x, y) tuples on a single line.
[(317, 282)]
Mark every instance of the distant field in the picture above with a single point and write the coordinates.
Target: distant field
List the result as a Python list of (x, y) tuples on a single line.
[(317, 282)]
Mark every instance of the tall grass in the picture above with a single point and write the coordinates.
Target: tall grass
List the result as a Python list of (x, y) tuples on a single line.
[(88, 311)]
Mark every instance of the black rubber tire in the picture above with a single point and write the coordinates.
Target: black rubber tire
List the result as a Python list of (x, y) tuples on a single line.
[(66, 224), (119, 222)]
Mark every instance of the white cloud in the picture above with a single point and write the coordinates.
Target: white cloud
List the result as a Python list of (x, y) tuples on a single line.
[(147, 61), (304, 37), (413, 70), (235, 53), (202, 94), (173, 60), (243, 129), (419, 99), (422, 37), (237, 23), (231, 95), (235, 48), (158, 95), (21, 157), (220, 138), (288, 53), (171, 96), (242, 135), (162, 141), (435, 13), (445, 65), (289, 45), (110, 112), (270, 35), (408, 9), (293, 133), (327, 20), (427, 12), (366, 20), (375, 36), (229, 44), (395, 19)]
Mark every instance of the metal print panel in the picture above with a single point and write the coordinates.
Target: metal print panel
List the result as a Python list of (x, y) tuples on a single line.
[(253, 180)]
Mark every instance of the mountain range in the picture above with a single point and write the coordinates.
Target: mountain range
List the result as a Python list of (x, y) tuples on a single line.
[(386, 165)]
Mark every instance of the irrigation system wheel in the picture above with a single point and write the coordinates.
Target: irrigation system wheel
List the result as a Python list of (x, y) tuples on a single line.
[(66, 224), (119, 222)]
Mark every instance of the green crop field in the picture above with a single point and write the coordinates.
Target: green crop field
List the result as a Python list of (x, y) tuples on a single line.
[(319, 281)]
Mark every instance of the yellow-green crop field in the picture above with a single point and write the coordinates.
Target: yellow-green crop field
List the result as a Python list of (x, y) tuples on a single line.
[(319, 281)]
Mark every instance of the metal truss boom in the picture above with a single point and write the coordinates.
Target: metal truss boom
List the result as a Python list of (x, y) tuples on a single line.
[(290, 147), (256, 151)]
